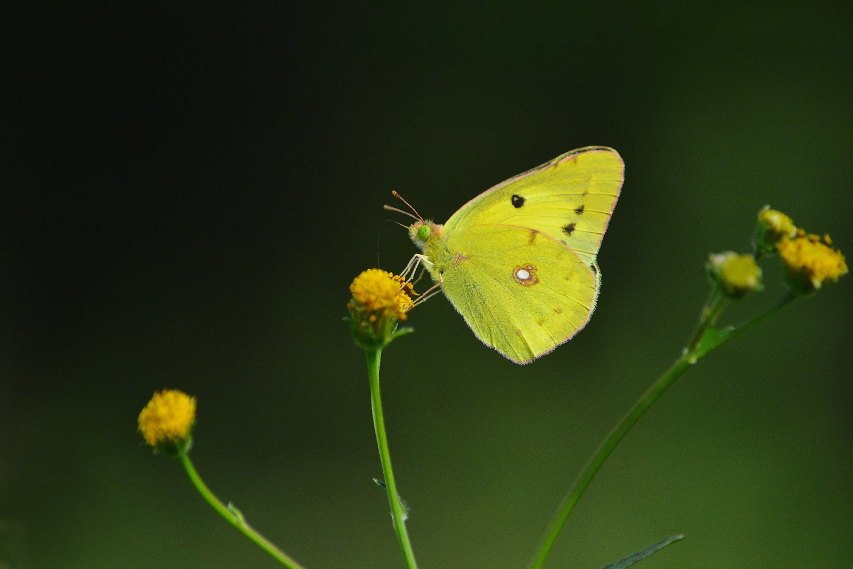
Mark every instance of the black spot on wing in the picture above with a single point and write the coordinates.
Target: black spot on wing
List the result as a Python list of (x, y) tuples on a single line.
[(579, 209), (569, 228), (594, 269), (517, 200)]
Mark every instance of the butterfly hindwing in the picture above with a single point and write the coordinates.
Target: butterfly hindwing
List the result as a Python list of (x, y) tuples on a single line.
[(521, 291)]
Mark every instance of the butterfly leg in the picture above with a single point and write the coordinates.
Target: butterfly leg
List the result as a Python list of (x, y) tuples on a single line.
[(417, 261), (428, 293)]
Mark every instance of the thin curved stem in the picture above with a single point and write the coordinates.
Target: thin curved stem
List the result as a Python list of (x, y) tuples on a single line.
[(233, 516), (710, 312), (694, 351), (398, 512), (592, 467)]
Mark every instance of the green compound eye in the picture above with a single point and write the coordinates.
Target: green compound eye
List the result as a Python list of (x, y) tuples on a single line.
[(424, 232)]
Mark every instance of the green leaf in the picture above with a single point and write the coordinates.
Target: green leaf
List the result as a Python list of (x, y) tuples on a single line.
[(400, 332), (640, 555), (403, 503), (236, 512)]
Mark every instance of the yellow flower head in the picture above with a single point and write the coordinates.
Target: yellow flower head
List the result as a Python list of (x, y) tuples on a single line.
[(810, 261), (379, 300), (381, 293), (773, 226), (166, 422), (736, 274)]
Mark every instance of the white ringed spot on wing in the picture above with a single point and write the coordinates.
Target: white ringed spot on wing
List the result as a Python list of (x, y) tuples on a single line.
[(525, 275)]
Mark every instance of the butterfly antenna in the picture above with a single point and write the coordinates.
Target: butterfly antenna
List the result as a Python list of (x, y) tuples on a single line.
[(398, 210), (413, 215)]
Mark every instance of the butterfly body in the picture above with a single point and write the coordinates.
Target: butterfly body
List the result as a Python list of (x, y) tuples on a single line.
[(519, 260)]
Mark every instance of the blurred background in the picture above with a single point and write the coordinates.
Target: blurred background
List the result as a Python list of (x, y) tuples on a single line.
[(188, 191)]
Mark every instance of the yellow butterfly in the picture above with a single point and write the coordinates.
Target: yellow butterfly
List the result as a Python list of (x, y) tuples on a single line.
[(518, 262)]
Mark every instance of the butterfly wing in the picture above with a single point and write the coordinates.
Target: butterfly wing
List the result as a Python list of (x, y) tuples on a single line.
[(521, 291), (569, 198)]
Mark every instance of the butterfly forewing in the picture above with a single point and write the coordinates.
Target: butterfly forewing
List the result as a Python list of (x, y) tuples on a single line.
[(569, 198)]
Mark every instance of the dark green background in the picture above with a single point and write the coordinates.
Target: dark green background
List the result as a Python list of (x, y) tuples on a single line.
[(191, 189)]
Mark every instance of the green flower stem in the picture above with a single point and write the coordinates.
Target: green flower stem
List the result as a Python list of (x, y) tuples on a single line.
[(710, 312), (692, 353), (749, 324), (233, 516), (591, 469), (398, 512)]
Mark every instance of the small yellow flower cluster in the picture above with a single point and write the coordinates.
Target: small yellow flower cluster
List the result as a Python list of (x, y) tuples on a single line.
[(810, 261), (379, 300), (166, 421)]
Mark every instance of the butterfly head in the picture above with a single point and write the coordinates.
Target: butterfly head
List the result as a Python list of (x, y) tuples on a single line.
[(421, 231)]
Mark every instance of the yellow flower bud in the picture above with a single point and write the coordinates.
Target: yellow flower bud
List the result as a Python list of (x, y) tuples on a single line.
[(736, 274), (773, 226)]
